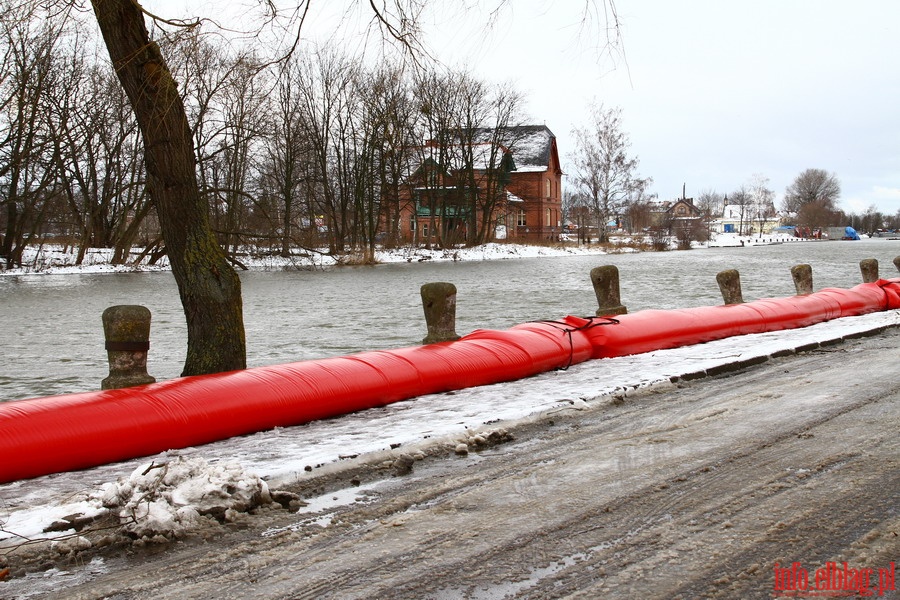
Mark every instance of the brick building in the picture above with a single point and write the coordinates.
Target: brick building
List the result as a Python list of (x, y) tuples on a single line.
[(537, 180), (503, 184)]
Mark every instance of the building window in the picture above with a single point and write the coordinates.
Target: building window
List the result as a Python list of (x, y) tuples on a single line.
[(520, 220), (412, 223), (424, 230), (547, 187), (548, 217)]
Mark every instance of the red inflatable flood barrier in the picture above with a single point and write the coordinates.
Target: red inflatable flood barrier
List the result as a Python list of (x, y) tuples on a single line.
[(62, 433), (650, 330)]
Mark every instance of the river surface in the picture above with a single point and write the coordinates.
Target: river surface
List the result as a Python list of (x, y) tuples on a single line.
[(51, 335)]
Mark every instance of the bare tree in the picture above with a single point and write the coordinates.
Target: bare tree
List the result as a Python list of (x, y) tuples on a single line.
[(711, 203), (892, 222), (100, 165), (27, 166), (287, 171), (869, 220), (328, 83), (361, 154), (639, 215), (500, 138), (576, 210), (232, 167), (385, 141), (604, 171), (436, 197), (743, 200), (812, 186), (471, 133), (209, 288), (762, 200), (395, 112)]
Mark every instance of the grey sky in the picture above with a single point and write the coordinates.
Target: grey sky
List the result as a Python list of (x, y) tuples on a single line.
[(712, 91), (715, 91)]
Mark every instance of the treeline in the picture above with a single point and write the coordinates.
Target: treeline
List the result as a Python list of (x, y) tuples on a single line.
[(307, 152)]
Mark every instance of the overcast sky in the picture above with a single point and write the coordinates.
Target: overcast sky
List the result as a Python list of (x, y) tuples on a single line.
[(712, 91), (715, 91)]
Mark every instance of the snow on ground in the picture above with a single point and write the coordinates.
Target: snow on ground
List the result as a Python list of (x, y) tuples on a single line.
[(730, 240), (53, 259), (165, 493), (170, 497), (56, 260), (495, 251)]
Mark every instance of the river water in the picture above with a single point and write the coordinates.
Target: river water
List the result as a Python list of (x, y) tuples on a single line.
[(52, 336)]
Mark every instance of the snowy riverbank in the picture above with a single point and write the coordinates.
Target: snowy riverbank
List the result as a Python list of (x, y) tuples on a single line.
[(53, 259), (56, 260)]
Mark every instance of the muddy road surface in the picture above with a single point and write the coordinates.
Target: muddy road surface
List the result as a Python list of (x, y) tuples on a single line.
[(696, 489)]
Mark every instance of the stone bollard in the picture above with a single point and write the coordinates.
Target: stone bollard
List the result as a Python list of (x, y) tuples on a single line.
[(439, 302), (606, 286), (869, 269), (802, 275), (730, 285), (897, 262), (127, 331)]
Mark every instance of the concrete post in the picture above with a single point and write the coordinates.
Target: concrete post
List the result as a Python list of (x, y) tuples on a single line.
[(802, 275), (605, 280), (869, 269), (730, 285), (127, 331), (439, 302), (897, 262)]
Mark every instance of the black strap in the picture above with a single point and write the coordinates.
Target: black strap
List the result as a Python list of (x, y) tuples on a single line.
[(568, 328)]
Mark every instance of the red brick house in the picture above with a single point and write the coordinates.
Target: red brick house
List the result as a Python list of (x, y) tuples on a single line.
[(537, 180), (502, 185)]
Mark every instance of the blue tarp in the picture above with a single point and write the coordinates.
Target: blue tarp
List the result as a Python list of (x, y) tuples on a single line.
[(850, 233)]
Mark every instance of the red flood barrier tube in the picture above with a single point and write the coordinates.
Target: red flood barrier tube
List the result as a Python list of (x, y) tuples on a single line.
[(63, 433), (650, 330)]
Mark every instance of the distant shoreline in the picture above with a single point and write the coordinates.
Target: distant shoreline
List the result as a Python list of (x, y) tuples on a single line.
[(52, 260)]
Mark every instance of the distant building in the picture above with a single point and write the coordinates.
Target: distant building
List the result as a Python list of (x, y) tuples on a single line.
[(499, 184), (746, 219), (735, 219), (666, 212), (683, 208)]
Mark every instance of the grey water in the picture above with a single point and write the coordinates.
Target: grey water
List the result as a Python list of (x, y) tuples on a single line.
[(51, 337)]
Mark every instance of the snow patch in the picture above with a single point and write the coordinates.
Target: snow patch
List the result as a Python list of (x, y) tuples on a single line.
[(170, 498)]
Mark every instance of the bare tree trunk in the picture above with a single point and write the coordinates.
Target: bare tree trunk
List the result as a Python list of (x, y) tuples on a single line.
[(125, 240), (209, 288)]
